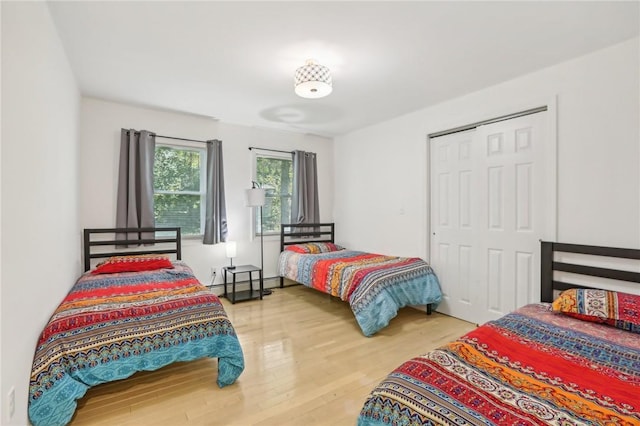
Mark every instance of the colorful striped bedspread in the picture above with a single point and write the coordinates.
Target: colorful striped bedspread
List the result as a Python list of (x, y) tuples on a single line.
[(531, 367), (375, 286), (113, 325)]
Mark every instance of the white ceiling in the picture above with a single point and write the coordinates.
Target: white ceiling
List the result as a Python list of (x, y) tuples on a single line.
[(235, 60)]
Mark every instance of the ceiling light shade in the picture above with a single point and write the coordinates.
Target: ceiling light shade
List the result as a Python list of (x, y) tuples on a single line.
[(313, 80)]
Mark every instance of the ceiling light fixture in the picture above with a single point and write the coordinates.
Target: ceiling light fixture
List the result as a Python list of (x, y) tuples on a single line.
[(313, 80)]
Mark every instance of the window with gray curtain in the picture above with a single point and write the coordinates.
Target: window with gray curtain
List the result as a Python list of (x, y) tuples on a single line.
[(172, 186), (304, 204), (134, 207)]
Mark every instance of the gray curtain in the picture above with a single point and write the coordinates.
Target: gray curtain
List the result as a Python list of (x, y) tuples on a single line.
[(134, 207), (215, 226), (304, 202)]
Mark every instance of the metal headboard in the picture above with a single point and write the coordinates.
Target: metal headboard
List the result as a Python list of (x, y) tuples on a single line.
[(549, 265), (131, 237), (296, 233)]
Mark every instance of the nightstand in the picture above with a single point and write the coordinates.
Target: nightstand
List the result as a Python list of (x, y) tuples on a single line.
[(239, 296)]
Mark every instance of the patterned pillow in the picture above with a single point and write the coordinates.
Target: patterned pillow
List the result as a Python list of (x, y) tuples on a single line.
[(621, 310), (314, 248), (136, 263)]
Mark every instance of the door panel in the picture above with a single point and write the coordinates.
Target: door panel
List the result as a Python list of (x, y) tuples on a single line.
[(488, 215)]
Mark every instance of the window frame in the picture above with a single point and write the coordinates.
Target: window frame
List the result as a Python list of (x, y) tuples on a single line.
[(254, 173), (190, 146)]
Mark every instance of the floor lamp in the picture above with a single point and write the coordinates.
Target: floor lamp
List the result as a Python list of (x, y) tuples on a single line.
[(255, 198)]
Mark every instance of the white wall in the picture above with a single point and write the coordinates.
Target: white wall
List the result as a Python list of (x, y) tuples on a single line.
[(1, 385), (381, 187), (40, 232), (100, 145)]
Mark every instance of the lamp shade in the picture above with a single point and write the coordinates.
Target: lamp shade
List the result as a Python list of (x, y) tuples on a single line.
[(255, 197), (313, 80), (231, 249)]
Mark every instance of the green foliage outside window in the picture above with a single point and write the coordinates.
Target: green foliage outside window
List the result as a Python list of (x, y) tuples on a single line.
[(177, 181), (275, 175)]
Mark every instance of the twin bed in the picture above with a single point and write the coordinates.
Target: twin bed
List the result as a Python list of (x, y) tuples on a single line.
[(375, 286), (136, 311), (573, 362)]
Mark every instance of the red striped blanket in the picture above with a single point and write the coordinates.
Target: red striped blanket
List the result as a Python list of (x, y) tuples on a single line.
[(111, 325), (531, 367), (375, 286)]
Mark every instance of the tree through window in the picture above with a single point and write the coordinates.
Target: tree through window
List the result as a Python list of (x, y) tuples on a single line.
[(179, 188), (275, 174)]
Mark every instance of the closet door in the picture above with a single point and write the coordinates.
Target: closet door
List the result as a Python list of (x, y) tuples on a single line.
[(488, 215)]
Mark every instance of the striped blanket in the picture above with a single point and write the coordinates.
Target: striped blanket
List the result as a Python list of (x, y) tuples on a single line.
[(375, 286), (531, 367), (110, 326)]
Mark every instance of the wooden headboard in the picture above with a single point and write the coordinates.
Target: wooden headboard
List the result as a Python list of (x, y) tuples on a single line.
[(549, 265), (297, 233), (170, 244)]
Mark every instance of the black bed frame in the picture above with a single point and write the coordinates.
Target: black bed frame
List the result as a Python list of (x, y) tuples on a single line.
[(171, 244), (548, 265), (292, 233), (297, 233)]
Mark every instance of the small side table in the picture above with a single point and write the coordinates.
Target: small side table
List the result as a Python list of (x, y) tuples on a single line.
[(239, 296)]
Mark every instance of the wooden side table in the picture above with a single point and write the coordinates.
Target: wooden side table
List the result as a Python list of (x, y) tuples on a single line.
[(239, 296)]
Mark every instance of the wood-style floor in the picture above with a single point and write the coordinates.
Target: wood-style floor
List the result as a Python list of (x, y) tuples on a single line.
[(307, 363)]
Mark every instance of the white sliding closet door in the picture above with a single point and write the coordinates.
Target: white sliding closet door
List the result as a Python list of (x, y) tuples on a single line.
[(490, 202)]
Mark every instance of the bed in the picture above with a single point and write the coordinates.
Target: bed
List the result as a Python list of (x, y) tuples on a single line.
[(144, 309), (375, 286), (573, 361)]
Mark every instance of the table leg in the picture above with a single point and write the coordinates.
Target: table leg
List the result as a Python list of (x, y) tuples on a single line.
[(224, 271), (261, 283), (233, 290), (250, 284)]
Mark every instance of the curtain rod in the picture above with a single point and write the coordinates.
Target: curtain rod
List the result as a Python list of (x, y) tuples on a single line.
[(272, 150), (171, 137), (180, 139)]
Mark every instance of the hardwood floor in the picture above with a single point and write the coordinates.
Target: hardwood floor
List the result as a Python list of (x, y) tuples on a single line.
[(307, 362)]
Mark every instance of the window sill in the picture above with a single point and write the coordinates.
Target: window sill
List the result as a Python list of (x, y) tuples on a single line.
[(192, 240), (268, 236), (192, 237)]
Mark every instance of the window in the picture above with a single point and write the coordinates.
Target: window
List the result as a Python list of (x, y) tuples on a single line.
[(274, 174), (179, 188)]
